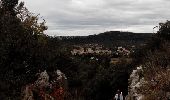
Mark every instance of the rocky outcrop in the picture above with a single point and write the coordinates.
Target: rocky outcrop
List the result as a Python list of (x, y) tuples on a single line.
[(46, 87), (135, 82), (43, 79)]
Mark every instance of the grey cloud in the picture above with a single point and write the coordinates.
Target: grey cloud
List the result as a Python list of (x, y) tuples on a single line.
[(92, 16)]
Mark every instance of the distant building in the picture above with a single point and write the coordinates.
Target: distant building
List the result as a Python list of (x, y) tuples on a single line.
[(122, 51), (90, 49)]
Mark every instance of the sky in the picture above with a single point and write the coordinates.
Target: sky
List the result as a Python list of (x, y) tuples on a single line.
[(87, 17)]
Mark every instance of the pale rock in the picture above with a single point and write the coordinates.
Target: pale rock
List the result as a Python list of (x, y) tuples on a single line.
[(135, 83)]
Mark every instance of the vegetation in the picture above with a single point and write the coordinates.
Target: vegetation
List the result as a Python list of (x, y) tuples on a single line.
[(24, 48), (153, 81), (110, 39), (156, 66)]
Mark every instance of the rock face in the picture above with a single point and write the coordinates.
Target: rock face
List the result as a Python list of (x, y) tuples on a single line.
[(46, 87), (135, 81), (43, 79), (152, 87)]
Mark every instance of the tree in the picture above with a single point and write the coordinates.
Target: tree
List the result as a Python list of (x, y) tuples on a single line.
[(9, 5), (155, 66), (22, 47), (164, 30)]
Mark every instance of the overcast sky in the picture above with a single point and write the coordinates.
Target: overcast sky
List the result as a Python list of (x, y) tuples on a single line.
[(85, 17)]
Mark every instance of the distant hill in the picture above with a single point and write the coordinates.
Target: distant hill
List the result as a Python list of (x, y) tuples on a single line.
[(110, 39)]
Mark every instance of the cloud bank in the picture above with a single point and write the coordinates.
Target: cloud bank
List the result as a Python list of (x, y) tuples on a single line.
[(85, 17)]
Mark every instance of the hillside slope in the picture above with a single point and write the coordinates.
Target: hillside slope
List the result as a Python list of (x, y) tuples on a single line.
[(110, 39)]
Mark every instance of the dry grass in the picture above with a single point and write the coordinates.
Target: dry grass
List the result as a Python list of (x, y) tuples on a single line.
[(157, 75)]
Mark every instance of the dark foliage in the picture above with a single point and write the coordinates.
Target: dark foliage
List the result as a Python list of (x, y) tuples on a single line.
[(111, 39)]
